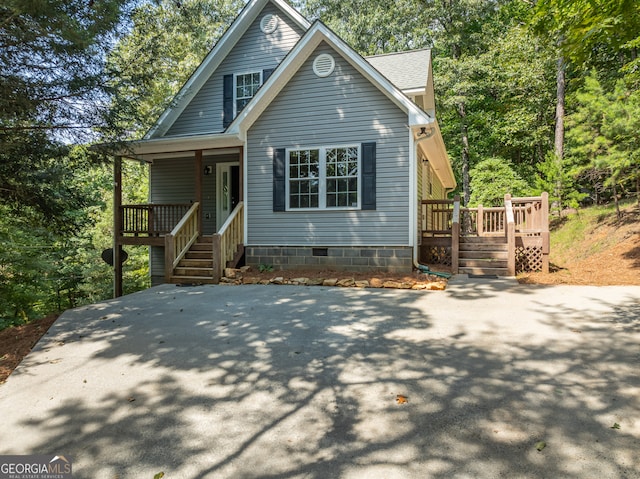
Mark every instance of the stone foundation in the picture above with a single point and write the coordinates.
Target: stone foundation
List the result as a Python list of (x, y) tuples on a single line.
[(358, 259)]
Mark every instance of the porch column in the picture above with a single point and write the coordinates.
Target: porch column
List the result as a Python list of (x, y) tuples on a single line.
[(241, 174), (199, 174), (117, 224)]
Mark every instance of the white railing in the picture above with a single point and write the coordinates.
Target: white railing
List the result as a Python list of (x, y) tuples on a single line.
[(229, 237), (178, 242)]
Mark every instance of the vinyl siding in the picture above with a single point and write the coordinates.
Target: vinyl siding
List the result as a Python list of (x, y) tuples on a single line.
[(254, 52), (171, 181), (343, 108)]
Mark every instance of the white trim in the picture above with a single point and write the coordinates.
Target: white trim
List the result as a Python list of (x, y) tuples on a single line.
[(329, 245), (245, 195), (295, 59), (216, 56), (269, 23), (219, 167), (235, 88), (413, 201), (322, 179)]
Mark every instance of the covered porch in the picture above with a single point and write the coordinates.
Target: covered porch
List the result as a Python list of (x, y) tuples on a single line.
[(194, 220)]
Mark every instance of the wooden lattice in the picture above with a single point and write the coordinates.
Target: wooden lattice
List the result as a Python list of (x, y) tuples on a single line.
[(437, 255), (528, 259)]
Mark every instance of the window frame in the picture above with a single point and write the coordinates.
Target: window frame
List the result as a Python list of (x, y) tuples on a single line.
[(235, 89), (322, 178)]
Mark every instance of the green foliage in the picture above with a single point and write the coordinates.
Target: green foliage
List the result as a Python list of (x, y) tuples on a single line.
[(492, 179), (265, 268), (167, 42)]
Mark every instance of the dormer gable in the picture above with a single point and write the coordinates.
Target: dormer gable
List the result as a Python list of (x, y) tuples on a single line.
[(251, 48)]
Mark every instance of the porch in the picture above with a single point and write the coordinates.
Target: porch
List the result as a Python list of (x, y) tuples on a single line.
[(500, 241)]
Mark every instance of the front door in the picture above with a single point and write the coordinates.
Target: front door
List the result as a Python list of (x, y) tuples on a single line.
[(227, 190)]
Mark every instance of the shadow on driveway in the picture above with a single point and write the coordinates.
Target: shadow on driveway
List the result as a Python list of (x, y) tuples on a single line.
[(293, 382)]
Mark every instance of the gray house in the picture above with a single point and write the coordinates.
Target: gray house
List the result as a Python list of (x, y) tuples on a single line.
[(287, 148)]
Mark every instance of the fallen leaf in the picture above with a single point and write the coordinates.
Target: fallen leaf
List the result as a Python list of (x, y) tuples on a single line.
[(541, 445), (131, 399), (160, 475), (400, 399), (615, 426)]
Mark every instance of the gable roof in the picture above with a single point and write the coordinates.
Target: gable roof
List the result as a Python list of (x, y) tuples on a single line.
[(317, 33), (215, 57), (407, 70)]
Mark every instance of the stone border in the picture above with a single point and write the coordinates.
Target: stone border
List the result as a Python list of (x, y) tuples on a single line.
[(243, 276)]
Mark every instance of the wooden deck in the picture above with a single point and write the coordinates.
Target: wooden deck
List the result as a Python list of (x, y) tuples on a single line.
[(501, 240)]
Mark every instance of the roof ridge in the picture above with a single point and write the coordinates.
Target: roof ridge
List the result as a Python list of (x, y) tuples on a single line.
[(399, 53)]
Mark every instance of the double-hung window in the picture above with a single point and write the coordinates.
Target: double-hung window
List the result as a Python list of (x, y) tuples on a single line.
[(323, 178), (245, 87)]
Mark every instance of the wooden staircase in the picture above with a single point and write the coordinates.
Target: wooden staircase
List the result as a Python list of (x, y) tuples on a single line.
[(484, 255), (197, 265)]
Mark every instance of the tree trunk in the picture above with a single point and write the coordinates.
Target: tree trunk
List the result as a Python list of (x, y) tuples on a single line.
[(615, 199), (466, 189), (559, 132)]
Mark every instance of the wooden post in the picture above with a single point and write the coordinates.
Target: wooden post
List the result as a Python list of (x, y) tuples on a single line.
[(218, 268), (546, 240), (117, 227), (169, 256), (199, 175), (480, 221), (510, 231), (455, 236)]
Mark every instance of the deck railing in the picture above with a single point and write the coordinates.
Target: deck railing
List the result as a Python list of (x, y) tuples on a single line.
[(152, 219), (229, 238), (180, 239), (523, 222)]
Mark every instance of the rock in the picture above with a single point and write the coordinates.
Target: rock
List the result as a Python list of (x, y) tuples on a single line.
[(376, 283), (249, 280), (330, 282), (232, 273), (316, 281), (362, 284), (227, 280), (406, 285), (438, 286), (277, 280), (301, 281), (419, 286), (245, 269), (345, 283), (264, 281), (391, 284)]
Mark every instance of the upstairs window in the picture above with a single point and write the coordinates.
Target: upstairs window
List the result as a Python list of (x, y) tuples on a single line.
[(245, 87)]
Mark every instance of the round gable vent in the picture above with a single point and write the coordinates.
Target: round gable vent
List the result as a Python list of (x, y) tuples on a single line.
[(323, 65), (269, 23)]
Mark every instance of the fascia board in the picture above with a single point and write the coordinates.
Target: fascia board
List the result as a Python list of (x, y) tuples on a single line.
[(137, 149), (298, 55), (211, 62), (434, 148)]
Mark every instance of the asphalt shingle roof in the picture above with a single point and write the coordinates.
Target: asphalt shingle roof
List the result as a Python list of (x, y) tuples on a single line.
[(406, 70)]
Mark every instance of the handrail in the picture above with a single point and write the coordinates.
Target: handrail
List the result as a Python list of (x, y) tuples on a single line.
[(229, 237), (150, 219), (455, 236), (180, 239), (510, 231)]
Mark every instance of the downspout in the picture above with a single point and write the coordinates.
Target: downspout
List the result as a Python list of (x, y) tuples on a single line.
[(423, 135)]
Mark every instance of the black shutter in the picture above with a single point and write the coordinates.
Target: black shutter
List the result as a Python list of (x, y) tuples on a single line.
[(368, 176), (279, 200), (266, 73), (227, 100)]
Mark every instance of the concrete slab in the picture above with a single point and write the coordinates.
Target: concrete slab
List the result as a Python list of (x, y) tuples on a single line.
[(295, 382)]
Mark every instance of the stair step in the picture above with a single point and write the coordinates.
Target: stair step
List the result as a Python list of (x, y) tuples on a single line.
[(483, 263), (203, 255), (205, 239), (191, 279), (483, 239), (484, 255), (201, 247), (485, 271), (196, 272), (483, 247), (196, 263)]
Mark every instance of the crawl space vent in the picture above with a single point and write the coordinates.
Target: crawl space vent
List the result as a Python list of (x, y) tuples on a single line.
[(323, 65), (269, 23)]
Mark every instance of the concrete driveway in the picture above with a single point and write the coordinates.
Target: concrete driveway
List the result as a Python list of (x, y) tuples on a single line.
[(302, 382)]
